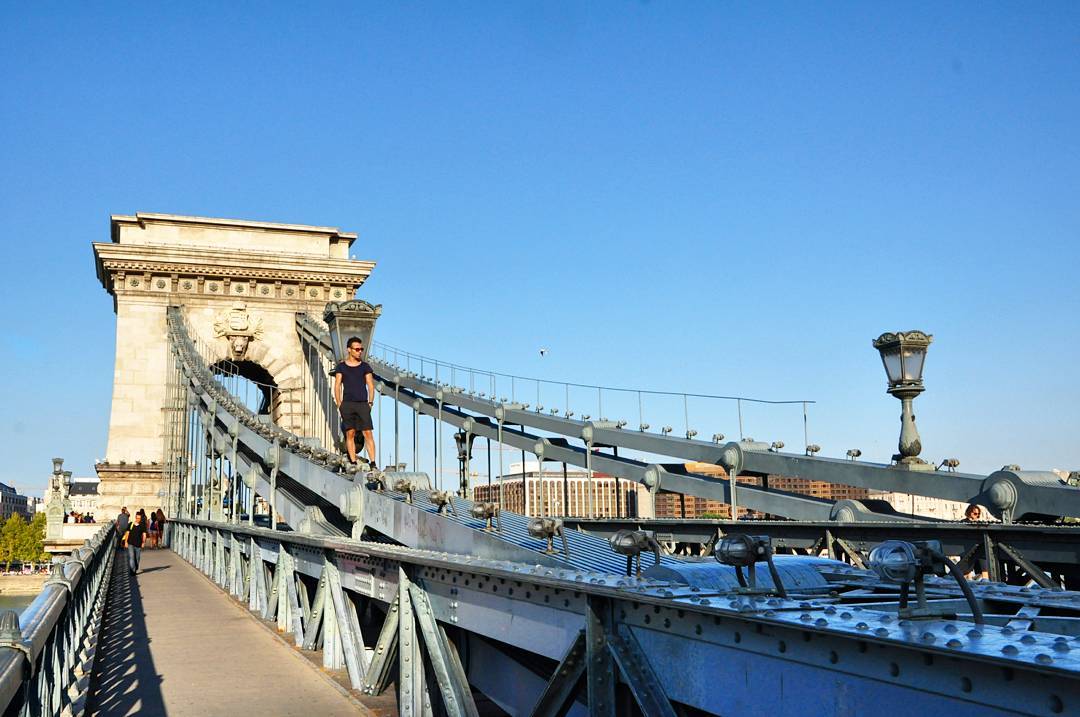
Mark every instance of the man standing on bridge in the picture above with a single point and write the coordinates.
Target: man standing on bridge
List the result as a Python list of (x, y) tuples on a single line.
[(354, 393)]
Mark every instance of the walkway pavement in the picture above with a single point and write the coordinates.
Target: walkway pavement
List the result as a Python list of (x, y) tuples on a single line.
[(174, 644)]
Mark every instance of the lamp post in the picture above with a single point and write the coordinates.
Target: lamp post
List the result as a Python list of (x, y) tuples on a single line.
[(346, 319), (903, 354), (464, 443)]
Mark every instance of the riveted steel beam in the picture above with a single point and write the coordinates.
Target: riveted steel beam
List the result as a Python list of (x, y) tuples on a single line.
[(599, 671), (690, 637), (672, 478), (1033, 571), (634, 665), (456, 694), (385, 655), (1008, 494), (413, 700), (561, 687)]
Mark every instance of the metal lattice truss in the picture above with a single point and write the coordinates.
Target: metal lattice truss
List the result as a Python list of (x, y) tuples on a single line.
[(538, 640), (1008, 494), (399, 591), (48, 652)]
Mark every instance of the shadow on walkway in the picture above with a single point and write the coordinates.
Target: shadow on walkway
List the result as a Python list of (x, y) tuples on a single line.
[(154, 570), (125, 681)]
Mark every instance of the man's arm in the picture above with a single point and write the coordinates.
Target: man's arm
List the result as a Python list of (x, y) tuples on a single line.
[(370, 387), (338, 387)]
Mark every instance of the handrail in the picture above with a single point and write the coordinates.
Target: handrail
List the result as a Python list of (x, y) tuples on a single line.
[(398, 353), (41, 648)]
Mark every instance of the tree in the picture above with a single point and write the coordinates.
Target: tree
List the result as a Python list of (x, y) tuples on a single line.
[(13, 539), (35, 541)]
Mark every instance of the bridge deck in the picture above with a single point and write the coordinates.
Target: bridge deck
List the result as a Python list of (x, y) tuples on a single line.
[(174, 644)]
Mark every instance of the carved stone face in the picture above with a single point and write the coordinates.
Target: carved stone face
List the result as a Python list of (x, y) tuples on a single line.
[(239, 345)]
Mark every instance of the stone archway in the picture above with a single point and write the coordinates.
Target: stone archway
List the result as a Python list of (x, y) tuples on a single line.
[(240, 285), (264, 392)]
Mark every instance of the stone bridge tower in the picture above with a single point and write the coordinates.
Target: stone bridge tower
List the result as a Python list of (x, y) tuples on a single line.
[(240, 284)]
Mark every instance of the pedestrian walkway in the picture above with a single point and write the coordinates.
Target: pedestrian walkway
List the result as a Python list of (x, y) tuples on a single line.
[(174, 644)]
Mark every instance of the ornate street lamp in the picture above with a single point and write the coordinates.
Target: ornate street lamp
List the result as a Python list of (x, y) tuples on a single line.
[(346, 319), (903, 355), (464, 443)]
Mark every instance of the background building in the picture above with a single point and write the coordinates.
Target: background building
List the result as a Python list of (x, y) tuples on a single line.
[(550, 492), (84, 495), (536, 493), (923, 505), (674, 505), (11, 502)]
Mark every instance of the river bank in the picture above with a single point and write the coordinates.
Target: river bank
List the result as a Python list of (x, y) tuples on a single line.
[(12, 585)]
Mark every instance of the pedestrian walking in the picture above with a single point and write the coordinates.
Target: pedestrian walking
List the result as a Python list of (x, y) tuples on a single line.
[(122, 522), (134, 537), (978, 568), (160, 516)]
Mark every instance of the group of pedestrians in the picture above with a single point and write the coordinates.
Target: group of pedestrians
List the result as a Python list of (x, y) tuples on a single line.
[(74, 517), (139, 532)]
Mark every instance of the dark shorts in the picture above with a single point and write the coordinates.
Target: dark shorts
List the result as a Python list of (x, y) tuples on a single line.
[(356, 415)]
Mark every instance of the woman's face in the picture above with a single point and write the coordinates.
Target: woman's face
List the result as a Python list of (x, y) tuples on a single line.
[(974, 513)]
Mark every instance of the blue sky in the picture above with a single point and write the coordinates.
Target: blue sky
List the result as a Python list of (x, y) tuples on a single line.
[(710, 197)]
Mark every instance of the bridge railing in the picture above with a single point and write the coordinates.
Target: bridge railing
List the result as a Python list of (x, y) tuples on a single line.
[(442, 626), (47, 652), (666, 412)]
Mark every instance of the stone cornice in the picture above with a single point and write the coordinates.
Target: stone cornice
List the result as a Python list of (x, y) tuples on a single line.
[(143, 218), (113, 259), (148, 469)]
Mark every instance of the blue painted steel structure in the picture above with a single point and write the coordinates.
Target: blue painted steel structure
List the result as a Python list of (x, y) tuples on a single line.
[(396, 591), (47, 652)]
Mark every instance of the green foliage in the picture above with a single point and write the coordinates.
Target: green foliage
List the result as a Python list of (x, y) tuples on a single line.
[(21, 541), (37, 530), (12, 536)]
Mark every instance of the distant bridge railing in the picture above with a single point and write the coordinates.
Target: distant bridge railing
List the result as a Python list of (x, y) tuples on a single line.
[(682, 410), (1009, 494), (47, 652)]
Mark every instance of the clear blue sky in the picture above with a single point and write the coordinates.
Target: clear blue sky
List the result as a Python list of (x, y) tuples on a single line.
[(713, 197)]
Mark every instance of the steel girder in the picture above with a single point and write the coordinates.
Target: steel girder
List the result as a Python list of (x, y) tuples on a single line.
[(1053, 548), (656, 477), (1008, 494), (673, 645), (407, 390), (690, 637), (271, 460), (434, 401)]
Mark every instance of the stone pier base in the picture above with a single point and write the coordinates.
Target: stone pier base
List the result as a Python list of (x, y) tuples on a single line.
[(134, 485)]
